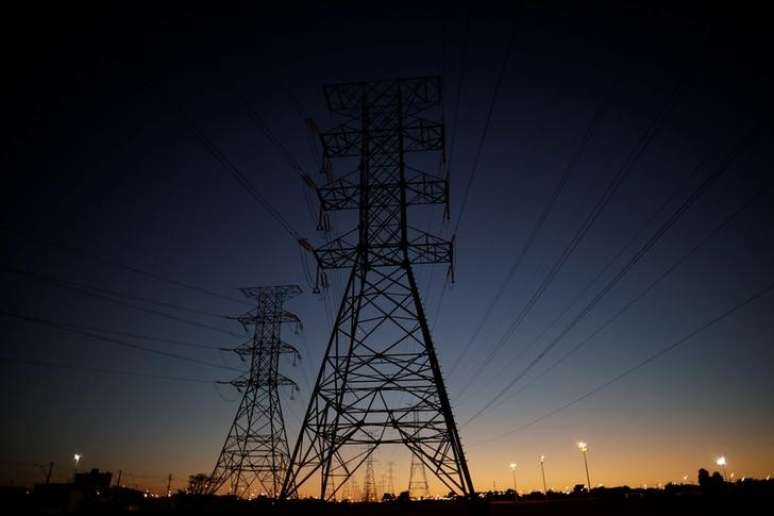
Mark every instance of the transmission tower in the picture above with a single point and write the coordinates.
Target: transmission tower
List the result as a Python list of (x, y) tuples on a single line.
[(380, 364), (353, 489), (255, 455), (390, 488), (369, 483), (417, 486)]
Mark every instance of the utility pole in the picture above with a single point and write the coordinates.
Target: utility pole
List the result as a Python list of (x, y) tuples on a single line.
[(515, 490), (50, 470), (169, 485), (256, 454), (542, 460), (380, 365), (584, 449), (118, 480)]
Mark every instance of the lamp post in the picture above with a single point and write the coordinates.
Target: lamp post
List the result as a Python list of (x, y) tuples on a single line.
[(542, 459), (584, 448), (513, 472), (76, 460), (721, 461)]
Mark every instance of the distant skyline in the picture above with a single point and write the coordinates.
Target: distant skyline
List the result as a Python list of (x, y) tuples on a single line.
[(103, 160)]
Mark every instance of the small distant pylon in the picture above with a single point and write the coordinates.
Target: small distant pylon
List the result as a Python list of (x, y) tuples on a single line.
[(354, 491), (417, 487), (390, 479), (369, 484), (255, 457)]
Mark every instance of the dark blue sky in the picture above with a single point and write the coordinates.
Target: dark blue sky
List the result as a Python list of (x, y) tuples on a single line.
[(100, 156)]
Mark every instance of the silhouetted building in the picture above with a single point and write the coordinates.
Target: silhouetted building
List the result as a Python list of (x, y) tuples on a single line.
[(92, 483), (85, 488)]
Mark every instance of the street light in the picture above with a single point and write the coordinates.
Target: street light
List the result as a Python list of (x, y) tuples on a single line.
[(513, 472), (542, 459), (584, 448), (721, 461), (76, 460)]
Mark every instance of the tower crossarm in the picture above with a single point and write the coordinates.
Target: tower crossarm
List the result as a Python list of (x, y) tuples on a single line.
[(284, 347), (419, 135), (417, 94), (421, 189), (423, 248)]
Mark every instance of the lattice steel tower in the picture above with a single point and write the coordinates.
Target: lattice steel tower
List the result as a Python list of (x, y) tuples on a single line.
[(380, 365), (417, 485), (369, 483), (255, 456)]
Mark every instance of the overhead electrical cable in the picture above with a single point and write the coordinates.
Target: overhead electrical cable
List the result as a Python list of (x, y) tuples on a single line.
[(598, 114), (644, 292), (100, 370), (651, 358), (642, 144), (738, 148), (113, 299), (73, 329), (118, 265)]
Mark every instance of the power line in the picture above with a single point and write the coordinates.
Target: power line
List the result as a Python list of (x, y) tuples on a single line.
[(476, 161), (490, 111), (291, 161), (708, 182), (707, 238), (598, 114), (108, 297), (711, 322), (582, 293), (149, 338), (229, 166), (104, 261), (243, 181), (458, 96), (100, 370), (73, 329), (129, 297), (633, 157)]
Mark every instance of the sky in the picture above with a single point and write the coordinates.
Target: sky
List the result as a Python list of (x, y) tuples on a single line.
[(101, 160)]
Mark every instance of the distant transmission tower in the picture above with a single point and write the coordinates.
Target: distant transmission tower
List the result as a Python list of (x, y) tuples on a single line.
[(417, 486), (380, 365), (390, 488), (369, 483), (255, 457), (353, 489)]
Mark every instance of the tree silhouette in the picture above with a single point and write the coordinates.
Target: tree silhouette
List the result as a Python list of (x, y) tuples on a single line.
[(704, 479), (197, 484), (711, 484)]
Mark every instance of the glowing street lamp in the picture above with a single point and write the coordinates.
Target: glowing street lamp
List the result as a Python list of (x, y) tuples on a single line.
[(76, 460), (584, 448), (513, 472), (542, 459), (721, 461)]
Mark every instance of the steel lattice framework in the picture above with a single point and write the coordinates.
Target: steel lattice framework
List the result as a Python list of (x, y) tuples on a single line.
[(255, 456), (380, 382)]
